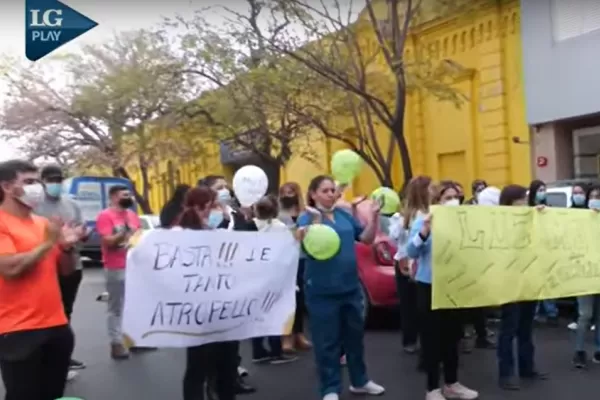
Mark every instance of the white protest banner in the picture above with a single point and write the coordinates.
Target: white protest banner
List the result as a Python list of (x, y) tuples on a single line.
[(186, 288)]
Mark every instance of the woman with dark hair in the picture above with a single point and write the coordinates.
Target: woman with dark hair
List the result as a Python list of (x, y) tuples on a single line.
[(440, 329), (588, 306), (219, 359), (223, 216), (516, 320), (578, 201), (537, 197), (334, 297), (537, 193), (291, 206), (173, 208)]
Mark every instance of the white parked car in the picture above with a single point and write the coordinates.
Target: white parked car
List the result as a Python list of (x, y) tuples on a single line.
[(558, 194), (149, 222)]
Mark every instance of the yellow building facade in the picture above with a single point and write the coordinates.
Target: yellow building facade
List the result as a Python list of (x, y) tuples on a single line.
[(473, 141)]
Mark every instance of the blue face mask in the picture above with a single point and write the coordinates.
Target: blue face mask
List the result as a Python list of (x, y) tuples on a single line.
[(540, 197), (578, 199), (224, 196), (54, 189), (594, 204), (215, 218)]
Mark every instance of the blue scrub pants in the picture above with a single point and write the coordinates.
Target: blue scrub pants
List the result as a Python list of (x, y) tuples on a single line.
[(336, 322)]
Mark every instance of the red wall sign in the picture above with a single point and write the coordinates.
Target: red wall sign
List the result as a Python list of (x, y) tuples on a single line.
[(542, 161)]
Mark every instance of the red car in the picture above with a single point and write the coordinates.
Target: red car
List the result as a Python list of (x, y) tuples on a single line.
[(376, 266)]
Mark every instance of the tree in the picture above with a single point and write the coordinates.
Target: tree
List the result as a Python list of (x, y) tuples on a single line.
[(365, 59), (105, 109), (250, 92)]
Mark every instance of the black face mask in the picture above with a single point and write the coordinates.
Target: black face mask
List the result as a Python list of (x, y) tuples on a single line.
[(289, 201), (125, 202)]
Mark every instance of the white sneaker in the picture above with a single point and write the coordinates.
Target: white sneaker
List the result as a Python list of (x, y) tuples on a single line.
[(370, 388), (572, 326), (71, 375), (243, 372), (331, 396), (459, 392), (435, 395)]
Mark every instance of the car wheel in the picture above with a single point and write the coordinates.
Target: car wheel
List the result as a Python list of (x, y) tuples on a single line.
[(366, 303)]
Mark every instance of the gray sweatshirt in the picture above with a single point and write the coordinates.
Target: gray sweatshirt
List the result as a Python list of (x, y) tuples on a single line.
[(65, 209)]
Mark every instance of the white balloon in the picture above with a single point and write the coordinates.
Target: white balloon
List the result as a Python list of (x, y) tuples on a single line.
[(250, 183)]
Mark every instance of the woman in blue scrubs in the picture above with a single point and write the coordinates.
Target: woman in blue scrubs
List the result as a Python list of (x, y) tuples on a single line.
[(333, 294)]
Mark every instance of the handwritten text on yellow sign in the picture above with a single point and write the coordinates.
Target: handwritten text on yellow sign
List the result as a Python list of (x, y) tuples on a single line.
[(496, 255)]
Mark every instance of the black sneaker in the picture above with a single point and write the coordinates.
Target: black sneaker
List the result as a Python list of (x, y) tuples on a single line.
[(283, 359), (261, 360), (580, 359), (76, 365), (509, 383), (596, 357)]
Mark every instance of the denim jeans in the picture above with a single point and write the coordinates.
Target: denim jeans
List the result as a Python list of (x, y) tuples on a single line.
[(588, 307), (549, 308), (115, 286), (516, 323)]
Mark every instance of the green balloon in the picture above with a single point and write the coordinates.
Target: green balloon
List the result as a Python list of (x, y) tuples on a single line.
[(321, 242), (345, 165), (389, 199)]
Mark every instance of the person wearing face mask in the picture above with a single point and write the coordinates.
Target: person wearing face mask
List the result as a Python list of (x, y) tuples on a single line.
[(440, 329), (291, 206), (461, 192), (490, 196), (578, 201), (56, 205), (416, 202), (333, 293), (588, 306), (36, 341), (216, 362), (266, 212), (476, 187), (223, 215), (547, 311), (116, 225), (516, 320)]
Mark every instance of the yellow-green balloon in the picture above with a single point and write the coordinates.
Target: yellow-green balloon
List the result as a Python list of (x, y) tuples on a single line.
[(321, 242), (390, 201), (345, 165)]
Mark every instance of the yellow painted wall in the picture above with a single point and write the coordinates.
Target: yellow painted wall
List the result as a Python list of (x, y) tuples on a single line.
[(446, 142)]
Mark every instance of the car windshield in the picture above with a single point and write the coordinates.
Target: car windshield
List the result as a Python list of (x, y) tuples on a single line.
[(150, 222), (556, 199)]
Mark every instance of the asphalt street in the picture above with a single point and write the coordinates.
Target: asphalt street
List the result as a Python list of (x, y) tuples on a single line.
[(157, 375)]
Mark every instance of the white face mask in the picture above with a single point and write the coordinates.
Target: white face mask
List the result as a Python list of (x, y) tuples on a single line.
[(452, 202), (33, 195)]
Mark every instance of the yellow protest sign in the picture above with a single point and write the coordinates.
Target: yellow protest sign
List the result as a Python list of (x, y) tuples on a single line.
[(485, 256)]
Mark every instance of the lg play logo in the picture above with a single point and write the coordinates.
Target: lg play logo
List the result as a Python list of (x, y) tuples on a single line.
[(49, 24)]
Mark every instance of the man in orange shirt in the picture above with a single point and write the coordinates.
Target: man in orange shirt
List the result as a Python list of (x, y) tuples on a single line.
[(35, 338)]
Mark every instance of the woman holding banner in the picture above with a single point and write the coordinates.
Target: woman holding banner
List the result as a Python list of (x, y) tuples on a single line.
[(588, 306), (516, 320), (440, 329), (219, 360), (333, 293), (291, 206), (537, 197)]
